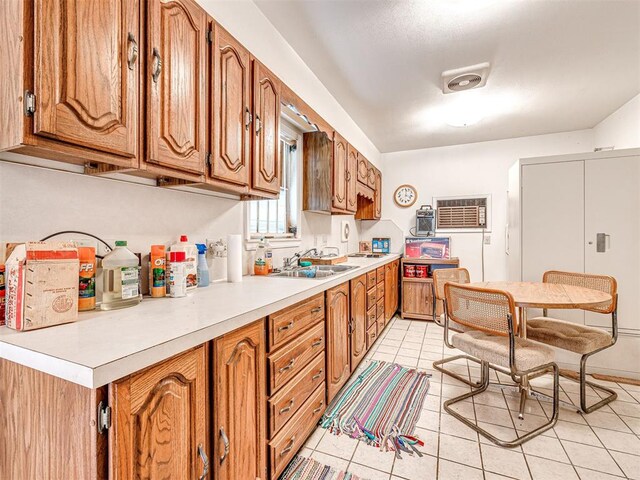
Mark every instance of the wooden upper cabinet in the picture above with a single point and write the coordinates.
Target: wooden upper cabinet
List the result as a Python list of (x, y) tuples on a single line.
[(371, 176), (378, 194), (363, 169), (232, 131), (358, 320), (352, 174), (338, 336), (340, 147), (239, 407), (86, 73), (176, 84), (266, 120), (159, 420)]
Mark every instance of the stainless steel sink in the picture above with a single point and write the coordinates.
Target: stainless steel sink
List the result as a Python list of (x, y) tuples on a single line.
[(316, 271)]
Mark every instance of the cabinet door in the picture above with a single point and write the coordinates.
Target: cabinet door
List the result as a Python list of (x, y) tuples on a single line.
[(176, 82), (416, 298), (339, 172), (159, 419), (371, 176), (363, 169), (352, 174), (232, 119), (266, 112), (388, 291), (86, 73), (378, 194), (396, 287), (239, 404), (358, 320), (612, 200), (338, 335)]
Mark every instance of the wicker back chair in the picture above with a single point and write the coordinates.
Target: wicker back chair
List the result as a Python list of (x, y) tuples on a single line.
[(443, 275), (581, 339), (488, 316)]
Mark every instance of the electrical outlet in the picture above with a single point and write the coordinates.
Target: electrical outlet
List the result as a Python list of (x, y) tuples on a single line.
[(487, 239)]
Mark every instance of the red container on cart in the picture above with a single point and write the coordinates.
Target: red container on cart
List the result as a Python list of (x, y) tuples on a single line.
[(422, 271), (410, 271)]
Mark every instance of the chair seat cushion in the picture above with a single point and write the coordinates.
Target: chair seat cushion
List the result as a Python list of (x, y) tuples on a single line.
[(567, 335), (495, 350)]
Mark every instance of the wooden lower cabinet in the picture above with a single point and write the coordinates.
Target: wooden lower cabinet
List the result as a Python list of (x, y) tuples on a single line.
[(417, 299), (159, 417), (390, 290), (239, 416), (338, 326), (358, 320)]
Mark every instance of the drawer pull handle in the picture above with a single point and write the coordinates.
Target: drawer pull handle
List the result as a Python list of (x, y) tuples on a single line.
[(292, 441), (317, 343), (287, 408), (317, 375), (286, 327), (225, 441), (288, 366), (316, 310), (316, 410)]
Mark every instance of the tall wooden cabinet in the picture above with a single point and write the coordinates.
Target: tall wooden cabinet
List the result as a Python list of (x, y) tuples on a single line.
[(176, 83), (266, 165), (358, 320), (231, 134), (159, 417), (339, 172), (338, 325), (239, 419)]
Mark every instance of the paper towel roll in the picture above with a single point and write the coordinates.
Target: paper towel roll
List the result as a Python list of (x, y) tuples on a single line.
[(234, 258)]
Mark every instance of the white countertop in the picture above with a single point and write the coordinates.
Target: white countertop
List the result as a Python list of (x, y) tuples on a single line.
[(105, 346)]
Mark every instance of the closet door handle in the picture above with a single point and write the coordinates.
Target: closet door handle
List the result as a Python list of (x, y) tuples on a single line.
[(258, 125), (156, 65), (225, 441), (205, 462), (247, 118), (133, 51)]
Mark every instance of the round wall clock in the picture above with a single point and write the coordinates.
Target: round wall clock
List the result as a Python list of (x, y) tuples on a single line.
[(405, 195)]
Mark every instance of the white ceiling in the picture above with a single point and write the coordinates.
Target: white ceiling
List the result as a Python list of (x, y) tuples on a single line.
[(555, 65)]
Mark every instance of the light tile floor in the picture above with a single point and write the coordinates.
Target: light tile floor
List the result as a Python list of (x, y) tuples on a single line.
[(602, 445)]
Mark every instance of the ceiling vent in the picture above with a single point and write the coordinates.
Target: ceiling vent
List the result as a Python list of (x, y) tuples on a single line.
[(465, 78)]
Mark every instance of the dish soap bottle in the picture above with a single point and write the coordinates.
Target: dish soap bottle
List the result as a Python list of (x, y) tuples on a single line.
[(203, 268), (191, 259), (121, 276), (260, 263), (268, 256)]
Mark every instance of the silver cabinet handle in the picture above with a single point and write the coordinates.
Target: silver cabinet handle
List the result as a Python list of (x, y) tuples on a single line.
[(288, 366), (258, 125), (287, 408), (133, 51), (292, 441), (317, 343), (156, 65), (247, 118), (316, 310), (225, 441), (205, 462), (317, 375), (286, 327), (316, 410)]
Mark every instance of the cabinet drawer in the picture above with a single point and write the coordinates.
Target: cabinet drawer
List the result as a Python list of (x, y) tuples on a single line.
[(380, 275), (380, 323), (289, 440), (289, 322), (372, 334), (380, 308), (372, 316), (289, 399), (372, 297), (380, 292), (371, 279), (293, 357)]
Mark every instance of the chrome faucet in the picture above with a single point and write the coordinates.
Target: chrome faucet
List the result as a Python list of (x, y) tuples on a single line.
[(294, 260)]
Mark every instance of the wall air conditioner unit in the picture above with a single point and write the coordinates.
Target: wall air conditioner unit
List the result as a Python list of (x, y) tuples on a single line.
[(462, 213)]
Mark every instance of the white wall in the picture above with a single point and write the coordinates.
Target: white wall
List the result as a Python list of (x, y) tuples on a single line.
[(476, 168), (621, 129)]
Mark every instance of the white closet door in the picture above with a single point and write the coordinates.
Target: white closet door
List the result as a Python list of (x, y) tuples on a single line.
[(553, 223), (612, 206)]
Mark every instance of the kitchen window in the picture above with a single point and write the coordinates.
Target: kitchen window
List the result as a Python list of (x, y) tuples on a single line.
[(280, 219)]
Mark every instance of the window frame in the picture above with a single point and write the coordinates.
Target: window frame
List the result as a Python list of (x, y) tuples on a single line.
[(283, 240)]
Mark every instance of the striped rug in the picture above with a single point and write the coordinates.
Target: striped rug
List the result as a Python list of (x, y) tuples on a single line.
[(381, 406), (302, 468)]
